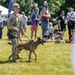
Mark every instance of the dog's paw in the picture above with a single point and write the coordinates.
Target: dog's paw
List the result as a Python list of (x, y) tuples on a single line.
[(35, 59), (9, 58)]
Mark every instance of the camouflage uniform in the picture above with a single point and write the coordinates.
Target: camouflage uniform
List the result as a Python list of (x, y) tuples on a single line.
[(15, 27)]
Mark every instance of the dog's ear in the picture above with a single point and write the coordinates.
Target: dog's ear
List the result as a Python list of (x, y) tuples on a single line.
[(38, 38), (9, 43)]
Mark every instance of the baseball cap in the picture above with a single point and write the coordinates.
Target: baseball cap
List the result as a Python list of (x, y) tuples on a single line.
[(16, 5)]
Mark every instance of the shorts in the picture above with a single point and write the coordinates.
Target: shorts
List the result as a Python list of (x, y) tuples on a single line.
[(34, 28), (24, 25)]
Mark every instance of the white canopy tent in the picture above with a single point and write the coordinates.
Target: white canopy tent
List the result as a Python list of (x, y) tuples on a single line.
[(4, 10)]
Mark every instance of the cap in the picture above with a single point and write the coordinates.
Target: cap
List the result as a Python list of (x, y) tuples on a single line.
[(16, 5)]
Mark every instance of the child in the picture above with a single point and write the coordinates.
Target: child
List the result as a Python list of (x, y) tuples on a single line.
[(59, 37), (34, 23), (45, 4), (36, 9), (47, 36), (51, 29)]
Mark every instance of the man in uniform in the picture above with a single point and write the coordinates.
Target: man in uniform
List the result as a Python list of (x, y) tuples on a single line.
[(14, 27)]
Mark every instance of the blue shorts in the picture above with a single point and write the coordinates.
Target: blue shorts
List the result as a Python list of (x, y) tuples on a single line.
[(24, 25)]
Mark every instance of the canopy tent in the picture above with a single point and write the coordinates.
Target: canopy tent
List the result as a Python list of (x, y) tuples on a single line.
[(4, 10)]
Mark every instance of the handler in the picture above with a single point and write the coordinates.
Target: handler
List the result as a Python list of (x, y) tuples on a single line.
[(14, 27)]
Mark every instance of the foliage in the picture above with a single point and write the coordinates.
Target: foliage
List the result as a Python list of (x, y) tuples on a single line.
[(4, 2), (55, 6), (65, 6), (25, 6)]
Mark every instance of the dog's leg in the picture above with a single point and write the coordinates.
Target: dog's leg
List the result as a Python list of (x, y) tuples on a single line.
[(10, 57), (35, 55), (18, 52), (30, 55), (30, 52)]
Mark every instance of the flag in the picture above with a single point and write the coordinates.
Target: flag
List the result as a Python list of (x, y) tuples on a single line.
[(11, 2)]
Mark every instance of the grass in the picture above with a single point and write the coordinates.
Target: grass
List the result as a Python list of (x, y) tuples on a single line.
[(53, 59)]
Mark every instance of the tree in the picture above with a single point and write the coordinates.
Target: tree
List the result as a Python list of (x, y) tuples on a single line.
[(25, 5), (65, 6), (2, 1), (55, 6)]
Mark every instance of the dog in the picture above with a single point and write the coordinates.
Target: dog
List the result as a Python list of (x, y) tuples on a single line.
[(30, 45)]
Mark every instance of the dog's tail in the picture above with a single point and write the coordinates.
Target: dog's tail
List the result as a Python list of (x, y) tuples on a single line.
[(9, 43)]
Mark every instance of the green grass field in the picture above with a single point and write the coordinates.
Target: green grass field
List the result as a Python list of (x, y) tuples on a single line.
[(53, 59)]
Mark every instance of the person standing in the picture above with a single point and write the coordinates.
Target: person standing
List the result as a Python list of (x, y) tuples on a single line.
[(34, 24), (24, 22), (1, 25), (8, 18), (14, 27), (61, 22), (44, 17), (71, 21)]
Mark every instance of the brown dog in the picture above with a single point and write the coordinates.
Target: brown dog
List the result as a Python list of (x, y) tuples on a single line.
[(31, 46)]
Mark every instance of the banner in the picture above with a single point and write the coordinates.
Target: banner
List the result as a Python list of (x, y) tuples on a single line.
[(11, 2)]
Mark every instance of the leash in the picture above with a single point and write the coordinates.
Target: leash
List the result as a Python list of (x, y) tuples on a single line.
[(28, 55), (27, 38)]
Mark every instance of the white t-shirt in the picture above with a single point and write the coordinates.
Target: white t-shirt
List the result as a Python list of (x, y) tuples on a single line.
[(24, 18), (50, 29)]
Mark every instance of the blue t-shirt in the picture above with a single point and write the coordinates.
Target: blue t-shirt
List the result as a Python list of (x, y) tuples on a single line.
[(33, 17), (45, 6)]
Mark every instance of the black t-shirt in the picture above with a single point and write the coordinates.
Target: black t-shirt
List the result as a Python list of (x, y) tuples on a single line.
[(46, 37), (62, 23), (62, 20)]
